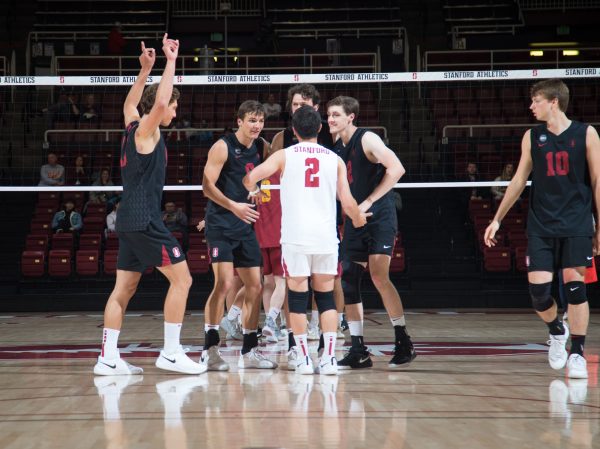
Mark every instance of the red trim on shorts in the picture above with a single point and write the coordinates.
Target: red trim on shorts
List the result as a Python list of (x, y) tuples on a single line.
[(591, 275), (165, 257), (284, 266)]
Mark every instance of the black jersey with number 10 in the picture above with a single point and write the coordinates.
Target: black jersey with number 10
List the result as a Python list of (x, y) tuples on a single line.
[(561, 195)]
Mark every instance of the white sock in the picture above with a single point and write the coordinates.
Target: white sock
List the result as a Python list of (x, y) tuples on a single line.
[(234, 312), (302, 343), (329, 339), (398, 321), (248, 331), (356, 328), (110, 338), (274, 313), (314, 318), (172, 332), (340, 318), (208, 327)]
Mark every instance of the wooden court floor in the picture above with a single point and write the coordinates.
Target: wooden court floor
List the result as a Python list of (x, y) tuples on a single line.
[(481, 380)]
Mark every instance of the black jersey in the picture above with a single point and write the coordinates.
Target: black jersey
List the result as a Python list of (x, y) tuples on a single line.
[(240, 160), (324, 137), (143, 178), (561, 195), (364, 176)]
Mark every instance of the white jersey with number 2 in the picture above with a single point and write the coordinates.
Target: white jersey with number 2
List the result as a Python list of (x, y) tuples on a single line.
[(308, 193)]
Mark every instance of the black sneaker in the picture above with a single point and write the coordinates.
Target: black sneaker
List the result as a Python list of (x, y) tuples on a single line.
[(344, 324), (404, 353), (356, 358)]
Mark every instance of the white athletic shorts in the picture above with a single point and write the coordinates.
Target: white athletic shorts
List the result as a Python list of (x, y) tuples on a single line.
[(296, 263)]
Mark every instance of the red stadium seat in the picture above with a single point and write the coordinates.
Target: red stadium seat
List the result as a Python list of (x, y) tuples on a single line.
[(86, 262), (94, 224), (90, 241), (59, 263), (521, 259), (40, 226), (32, 263), (496, 259), (397, 264), (112, 241), (198, 261), (110, 261), (37, 242), (64, 241)]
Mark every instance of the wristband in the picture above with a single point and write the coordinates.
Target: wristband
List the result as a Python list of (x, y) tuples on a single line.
[(254, 192)]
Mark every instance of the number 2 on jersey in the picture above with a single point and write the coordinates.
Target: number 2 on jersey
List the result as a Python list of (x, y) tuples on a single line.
[(310, 175), (561, 167)]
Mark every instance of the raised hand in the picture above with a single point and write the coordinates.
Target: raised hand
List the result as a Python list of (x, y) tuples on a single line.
[(147, 57), (170, 47)]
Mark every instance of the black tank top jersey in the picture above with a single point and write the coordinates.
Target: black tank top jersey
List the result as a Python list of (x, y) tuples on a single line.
[(240, 160), (143, 177), (561, 195), (324, 137), (364, 176)]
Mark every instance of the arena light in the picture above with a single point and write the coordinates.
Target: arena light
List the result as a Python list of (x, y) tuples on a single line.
[(570, 52), (553, 44), (536, 53)]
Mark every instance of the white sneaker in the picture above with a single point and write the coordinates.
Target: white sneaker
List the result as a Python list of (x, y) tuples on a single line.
[(557, 353), (577, 367), (328, 366), (255, 359), (212, 360), (292, 358), (232, 328), (283, 332), (578, 391), (177, 390), (305, 365), (115, 367), (115, 385), (179, 362), (313, 332), (270, 331)]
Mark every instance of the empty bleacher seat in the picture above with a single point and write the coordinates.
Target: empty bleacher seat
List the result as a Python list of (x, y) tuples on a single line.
[(198, 261), (497, 259), (110, 261), (32, 263), (59, 263), (86, 262)]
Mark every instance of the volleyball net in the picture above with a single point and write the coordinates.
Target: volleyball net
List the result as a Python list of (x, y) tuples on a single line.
[(437, 122)]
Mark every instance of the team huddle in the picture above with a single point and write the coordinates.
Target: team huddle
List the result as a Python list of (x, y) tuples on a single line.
[(335, 184)]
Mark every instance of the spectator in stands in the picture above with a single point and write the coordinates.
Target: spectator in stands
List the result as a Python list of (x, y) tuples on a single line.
[(64, 110), (67, 219), (89, 110), (80, 175), (52, 173), (116, 41), (111, 219), (272, 109), (499, 191), (110, 197), (473, 176), (203, 138), (175, 219)]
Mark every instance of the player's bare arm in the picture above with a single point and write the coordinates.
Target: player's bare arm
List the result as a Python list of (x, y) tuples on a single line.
[(148, 133), (273, 164), (147, 59), (217, 156), (349, 205), (277, 143), (378, 153), (513, 191), (592, 143)]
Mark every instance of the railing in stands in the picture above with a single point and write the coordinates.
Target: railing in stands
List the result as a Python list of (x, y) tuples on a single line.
[(211, 64), (540, 5), (4, 66), (176, 131), (509, 59), (490, 126), (216, 8)]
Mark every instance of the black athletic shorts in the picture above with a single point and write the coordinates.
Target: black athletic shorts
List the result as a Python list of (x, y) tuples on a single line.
[(154, 247), (244, 253), (551, 254), (373, 238)]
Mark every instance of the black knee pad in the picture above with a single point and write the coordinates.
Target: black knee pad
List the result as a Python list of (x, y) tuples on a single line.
[(324, 301), (297, 301), (351, 279), (541, 296), (575, 292)]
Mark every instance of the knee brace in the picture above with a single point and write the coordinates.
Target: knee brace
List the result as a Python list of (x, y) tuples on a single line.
[(575, 292), (541, 297), (297, 301), (324, 301), (351, 280)]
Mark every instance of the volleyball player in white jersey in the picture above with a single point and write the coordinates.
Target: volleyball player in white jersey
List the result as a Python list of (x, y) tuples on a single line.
[(311, 175)]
